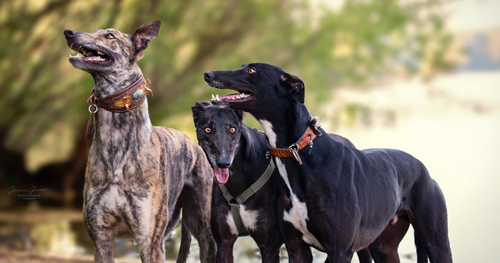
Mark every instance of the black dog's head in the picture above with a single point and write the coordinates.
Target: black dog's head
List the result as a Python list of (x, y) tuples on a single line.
[(218, 130), (258, 85), (109, 50)]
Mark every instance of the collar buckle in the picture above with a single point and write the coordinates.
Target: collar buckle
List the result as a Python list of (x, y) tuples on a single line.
[(294, 149)]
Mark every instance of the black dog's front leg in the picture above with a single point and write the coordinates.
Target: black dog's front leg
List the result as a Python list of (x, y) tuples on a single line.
[(298, 250)]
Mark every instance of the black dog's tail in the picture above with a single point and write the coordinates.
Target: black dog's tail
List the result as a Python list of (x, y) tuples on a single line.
[(421, 255), (185, 244)]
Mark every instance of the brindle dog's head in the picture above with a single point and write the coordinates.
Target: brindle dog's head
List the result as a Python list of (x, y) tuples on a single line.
[(218, 130), (108, 51)]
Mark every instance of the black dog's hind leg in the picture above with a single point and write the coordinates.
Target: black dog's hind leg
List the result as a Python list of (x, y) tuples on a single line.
[(385, 248), (364, 255), (429, 219)]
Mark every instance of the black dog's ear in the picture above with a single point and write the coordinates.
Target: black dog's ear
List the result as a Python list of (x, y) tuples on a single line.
[(294, 86), (198, 108), (240, 114), (144, 34)]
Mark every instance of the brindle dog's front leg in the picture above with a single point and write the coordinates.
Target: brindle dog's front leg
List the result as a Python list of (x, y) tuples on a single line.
[(152, 251), (150, 231), (99, 222), (104, 251)]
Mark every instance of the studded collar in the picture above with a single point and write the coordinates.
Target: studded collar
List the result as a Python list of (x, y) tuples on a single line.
[(126, 100)]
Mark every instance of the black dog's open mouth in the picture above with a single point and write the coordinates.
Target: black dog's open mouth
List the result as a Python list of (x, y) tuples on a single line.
[(242, 96), (89, 55)]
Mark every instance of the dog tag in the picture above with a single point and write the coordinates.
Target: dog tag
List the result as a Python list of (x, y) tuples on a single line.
[(138, 94)]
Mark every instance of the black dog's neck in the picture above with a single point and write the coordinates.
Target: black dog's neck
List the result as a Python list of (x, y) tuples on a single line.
[(249, 162), (286, 127)]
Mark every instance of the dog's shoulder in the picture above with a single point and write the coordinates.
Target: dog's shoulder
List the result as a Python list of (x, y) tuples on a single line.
[(174, 139), (169, 132)]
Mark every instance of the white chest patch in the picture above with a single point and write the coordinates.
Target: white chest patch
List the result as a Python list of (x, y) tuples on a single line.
[(231, 224), (249, 218), (268, 130), (297, 215)]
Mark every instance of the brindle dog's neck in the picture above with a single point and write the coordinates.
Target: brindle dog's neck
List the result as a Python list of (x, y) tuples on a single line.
[(120, 136), (115, 80)]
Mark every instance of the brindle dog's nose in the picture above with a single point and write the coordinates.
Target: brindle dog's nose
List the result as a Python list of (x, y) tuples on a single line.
[(69, 34), (209, 75)]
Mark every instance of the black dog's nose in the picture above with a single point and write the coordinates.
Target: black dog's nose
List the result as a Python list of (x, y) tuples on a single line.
[(209, 75), (69, 33), (223, 163)]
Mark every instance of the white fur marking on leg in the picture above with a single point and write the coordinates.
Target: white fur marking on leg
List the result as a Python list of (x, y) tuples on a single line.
[(249, 217), (231, 224), (297, 216)]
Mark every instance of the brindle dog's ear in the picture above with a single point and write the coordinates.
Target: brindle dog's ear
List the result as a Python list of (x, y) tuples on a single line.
[(143, 35), (294, 86), (198, 108)]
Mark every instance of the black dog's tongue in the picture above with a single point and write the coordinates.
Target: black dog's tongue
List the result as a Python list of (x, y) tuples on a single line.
[(221, 174)]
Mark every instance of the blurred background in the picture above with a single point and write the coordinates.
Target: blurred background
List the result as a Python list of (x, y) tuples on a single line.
[(422, 76)]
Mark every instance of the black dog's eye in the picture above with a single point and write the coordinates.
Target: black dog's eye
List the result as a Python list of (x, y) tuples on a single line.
[(110, 36), (232, 130), (208, 130), (251, 71)]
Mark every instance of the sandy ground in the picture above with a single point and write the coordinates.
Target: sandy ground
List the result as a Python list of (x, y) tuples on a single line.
[(16, 257)]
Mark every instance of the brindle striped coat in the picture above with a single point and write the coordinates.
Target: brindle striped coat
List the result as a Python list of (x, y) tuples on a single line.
[(139, 176)]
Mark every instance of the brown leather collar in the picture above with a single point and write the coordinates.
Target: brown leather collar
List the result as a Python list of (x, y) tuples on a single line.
[(127, 99), (293, 150)]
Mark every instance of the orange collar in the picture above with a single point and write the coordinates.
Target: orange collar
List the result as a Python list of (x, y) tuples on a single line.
[(293, 150), (127, 99)]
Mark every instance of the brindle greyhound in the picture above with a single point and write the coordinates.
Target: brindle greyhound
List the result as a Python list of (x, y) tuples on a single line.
[(138, 176), (239, 156), (340, 199)]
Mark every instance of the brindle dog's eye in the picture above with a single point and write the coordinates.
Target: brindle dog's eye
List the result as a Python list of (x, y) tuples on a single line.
[(232, 130), (208, 130), (251, 70), (110, 36)]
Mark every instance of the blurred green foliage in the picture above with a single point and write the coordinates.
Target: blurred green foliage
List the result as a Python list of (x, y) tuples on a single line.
[(327, 46)]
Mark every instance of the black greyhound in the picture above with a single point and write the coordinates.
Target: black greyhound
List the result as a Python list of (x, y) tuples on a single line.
[(239, 156), (340, 199)]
